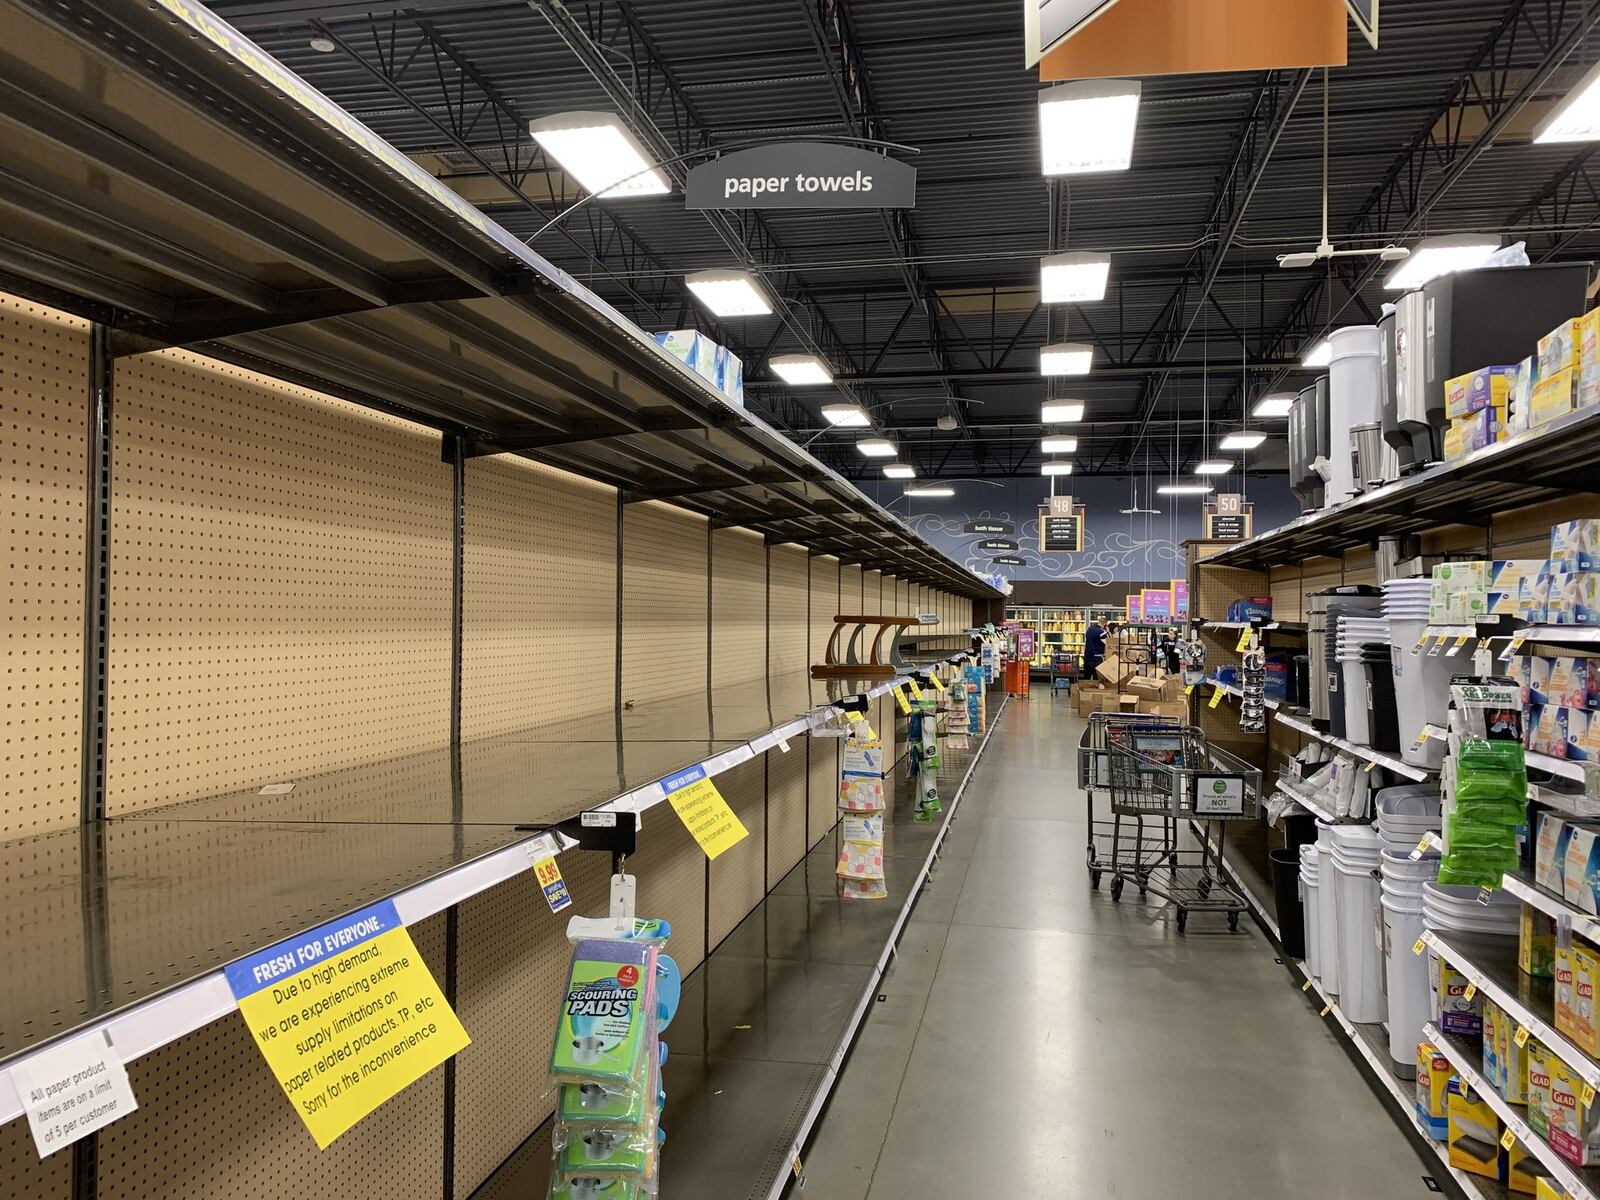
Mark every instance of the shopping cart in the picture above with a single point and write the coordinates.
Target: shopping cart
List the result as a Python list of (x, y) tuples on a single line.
[(1063, 670), (1161, 779)]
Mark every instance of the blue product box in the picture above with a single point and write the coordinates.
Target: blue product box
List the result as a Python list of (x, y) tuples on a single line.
[(1532, 713), (1537, 681), (1575, 546), (1251, 608), (1569, 681), (1517, 672), (1279, 678)]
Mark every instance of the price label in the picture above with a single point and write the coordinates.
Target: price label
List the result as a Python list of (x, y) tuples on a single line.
[(1243, 643), (1306, 986), (938, 684), (1216, 696), (1418, 946), (1188, 689), (1472, 990), (916, 692), (554, 887), (1485, 895), (900, 698), (1522, 1036), (1509, 1140), (1421, 739), (1588, 1094), (1421, 642), (703, 811), (1433, 650), (1326, 1009), (1371, 766), (1456, 645)]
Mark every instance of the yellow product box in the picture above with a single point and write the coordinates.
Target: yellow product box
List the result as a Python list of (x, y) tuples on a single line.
[(1561, 348), (1576, 970), (1536, 943), (1546, 1188), (1554, 396), (1487, 387), (1539, 1088), (1473, 1139), (1523, 1170), (1434, 1074), (1589, 339), (1574, 1132)]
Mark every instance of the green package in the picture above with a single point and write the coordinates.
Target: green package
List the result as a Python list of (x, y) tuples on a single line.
[(601, 1033), (598, 1151), (587, 1187)]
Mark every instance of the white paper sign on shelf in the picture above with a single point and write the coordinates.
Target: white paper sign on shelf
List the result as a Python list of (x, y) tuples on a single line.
[(71, 1090)]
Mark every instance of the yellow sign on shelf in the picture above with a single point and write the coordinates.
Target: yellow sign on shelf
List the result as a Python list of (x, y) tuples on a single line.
[(346, 1016), (916, 692), (1243, 643), (900, 698), (1216, 696), (703, 811), (933, 678)]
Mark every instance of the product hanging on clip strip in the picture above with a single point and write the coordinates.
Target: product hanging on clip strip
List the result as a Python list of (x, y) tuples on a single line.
[(861, 807)]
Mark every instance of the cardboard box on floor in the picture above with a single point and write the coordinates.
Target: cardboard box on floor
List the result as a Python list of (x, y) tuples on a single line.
[(1175, 710), (1112, 672), (1087, 697)]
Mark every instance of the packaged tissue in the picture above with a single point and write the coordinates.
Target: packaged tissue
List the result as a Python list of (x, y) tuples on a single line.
[(1533, 599), (1568, 681), (1538, 679), (1574, 598), (1507, 577), (1550, 853), (1575, 546), (1581, 869)]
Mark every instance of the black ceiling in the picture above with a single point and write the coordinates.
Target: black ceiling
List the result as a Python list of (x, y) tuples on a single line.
[(937, 312)]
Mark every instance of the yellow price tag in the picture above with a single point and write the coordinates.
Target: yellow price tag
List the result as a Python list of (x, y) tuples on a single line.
[(1522, 1036), (916, 692), (1243, 643), (1372, 766), (1588, 1094), (1420, 739), (1418, 946), (1421, 642), (1509, 1140), (1472, 990), (1306, 986), (380, 1020), (551, 884), (938, 684), (1216, 696), (900, 698), (703, 811), (1326, 1009), (1188, 689)]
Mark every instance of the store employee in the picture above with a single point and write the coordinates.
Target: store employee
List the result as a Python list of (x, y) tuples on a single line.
[(1094, 647)]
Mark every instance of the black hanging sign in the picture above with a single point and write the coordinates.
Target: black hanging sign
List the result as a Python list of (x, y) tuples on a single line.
[(1230, 518), (994, 545), (1002, 528), (802, 175), (1007, 560)]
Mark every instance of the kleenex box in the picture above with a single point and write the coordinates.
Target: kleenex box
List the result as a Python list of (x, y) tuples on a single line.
[(1550, 853), (1581, 867), (1575, 546), (1574, 598), (1568, 681)]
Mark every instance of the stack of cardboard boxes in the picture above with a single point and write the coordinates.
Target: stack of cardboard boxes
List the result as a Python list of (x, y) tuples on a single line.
[(1118, 688)]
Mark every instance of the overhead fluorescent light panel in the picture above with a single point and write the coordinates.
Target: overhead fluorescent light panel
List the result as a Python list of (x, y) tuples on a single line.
[(900, 471), (846, 416), (1066, 358), (1059, 445), (1087, 125), (1061, 412), (601, 153), (800, 370), (1073, 278), (1577, 117), (729, 293), (1437, 256), (1278, 404), (1244, 439), (1055, 468)]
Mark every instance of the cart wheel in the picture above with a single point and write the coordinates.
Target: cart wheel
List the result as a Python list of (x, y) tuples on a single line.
[(1233, 922), (1205, 887), (1172, 858), (1183, 919), (1143, 891), (1116, 888), (1094, 880)]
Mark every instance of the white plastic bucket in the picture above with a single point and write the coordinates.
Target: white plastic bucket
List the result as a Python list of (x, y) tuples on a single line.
[(1410, 1001), (1311, 892), (1400, 870), (1448, 908), (1357, 727), (1354, 398), (1355, 859), (1327, 912)]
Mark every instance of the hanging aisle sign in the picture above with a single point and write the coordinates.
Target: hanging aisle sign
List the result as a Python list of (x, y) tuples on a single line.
[(346, 1016), (703, 811), (995, 528), (802, 175), (1061, 526), (1229, 519), (997, 545), (1007, 560)]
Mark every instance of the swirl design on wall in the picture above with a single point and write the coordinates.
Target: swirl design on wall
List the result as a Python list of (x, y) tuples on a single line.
[(1117, 555)]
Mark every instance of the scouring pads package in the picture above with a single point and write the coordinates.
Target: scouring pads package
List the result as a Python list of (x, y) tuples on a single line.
[(605, 1012)]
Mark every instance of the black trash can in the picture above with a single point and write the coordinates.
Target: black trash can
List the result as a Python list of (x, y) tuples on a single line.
[(1286, 897)]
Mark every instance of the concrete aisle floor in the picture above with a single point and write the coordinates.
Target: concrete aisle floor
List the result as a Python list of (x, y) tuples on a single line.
[(1035, 1039)]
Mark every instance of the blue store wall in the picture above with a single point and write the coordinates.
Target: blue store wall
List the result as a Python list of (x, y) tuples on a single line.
[(1117, 548)]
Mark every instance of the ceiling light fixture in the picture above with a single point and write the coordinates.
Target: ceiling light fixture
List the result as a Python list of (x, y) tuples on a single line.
[(1320, 355), (1061, 412), (1059, 445), (323, 45), (1438, 256), (1577, 117), (1185, 489), (933, 489), (729, 293), (1213, 466), (1073, 278), (846, 416), (899, 471), (1055, 468), (800, 370), (1244, 439), (601, 153), (877, 447), (1276, 405), (1088, 125), (1066, 358)]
